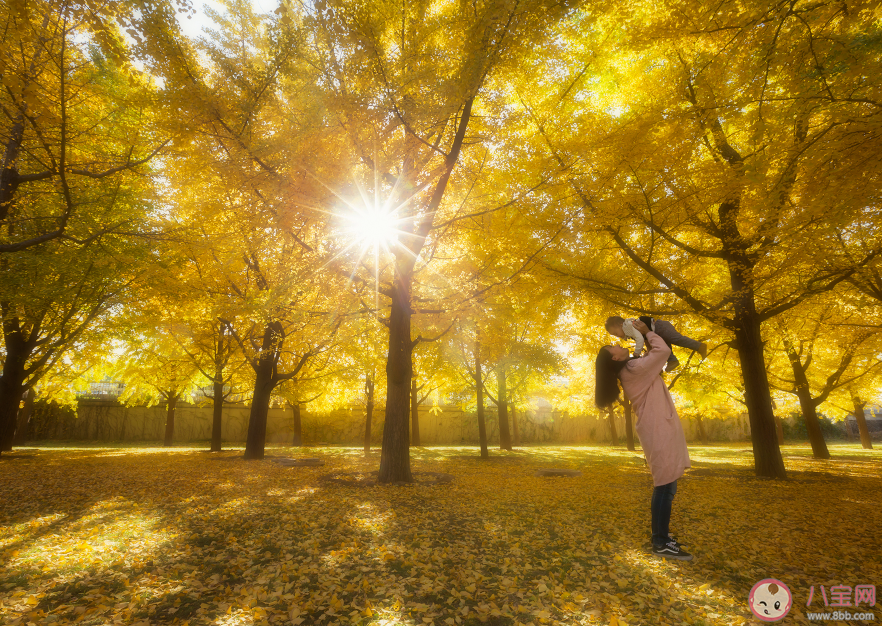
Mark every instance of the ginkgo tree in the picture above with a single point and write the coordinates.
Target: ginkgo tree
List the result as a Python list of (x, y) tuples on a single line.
[(404, 81), (254, 166), (155, 369), (825, 349), (720, 177), (78, 130)]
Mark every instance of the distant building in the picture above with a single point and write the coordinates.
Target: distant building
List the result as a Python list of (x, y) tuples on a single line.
[(106, 389)]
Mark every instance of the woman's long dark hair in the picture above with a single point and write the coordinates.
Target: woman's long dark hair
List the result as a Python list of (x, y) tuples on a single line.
[(606, 378)]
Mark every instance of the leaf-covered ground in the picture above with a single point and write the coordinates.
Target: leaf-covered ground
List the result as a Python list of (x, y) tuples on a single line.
[(183, 536)]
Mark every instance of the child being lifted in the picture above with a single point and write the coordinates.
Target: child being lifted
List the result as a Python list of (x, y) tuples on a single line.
[(622, 328)]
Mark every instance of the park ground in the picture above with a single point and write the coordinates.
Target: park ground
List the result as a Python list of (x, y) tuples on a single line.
[(184, 536)]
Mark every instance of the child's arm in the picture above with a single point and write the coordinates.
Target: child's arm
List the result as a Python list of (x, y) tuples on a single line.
[(666, 331), (634, 334)]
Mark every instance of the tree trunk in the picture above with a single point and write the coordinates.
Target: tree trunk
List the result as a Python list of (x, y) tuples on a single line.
[(24, 417), (10, 397), (702, 433), (612, 425), (767, 457), (629, 428), (255, 444), (369, 392), (11, 384), (263, 390), (861, 420), (217, 404), (172, 402), (812, 425), (9, 178), (218, 385), (779, 426), (395, 459), (808, 407), (502, 404), (395, 456), (297, 442), (514, 425), (479, 387), (746, 324), (414, 413)]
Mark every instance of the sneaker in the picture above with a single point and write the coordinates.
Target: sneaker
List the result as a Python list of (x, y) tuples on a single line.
[(671, 550)]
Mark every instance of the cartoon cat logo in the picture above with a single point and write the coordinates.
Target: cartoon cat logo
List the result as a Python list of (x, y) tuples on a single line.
[(770, 600)]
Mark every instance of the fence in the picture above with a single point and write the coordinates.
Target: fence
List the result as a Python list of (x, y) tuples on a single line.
[(101, 420)]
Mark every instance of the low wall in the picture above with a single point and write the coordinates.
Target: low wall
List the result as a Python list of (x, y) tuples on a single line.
[(108, 421)]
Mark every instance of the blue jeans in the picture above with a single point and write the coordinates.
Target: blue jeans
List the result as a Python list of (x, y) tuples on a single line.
[(662, 501)]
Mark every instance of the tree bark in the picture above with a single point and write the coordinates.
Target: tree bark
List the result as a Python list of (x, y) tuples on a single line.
[(629, 428), (414, 413), (479, 387), (861, 420), (218, 385), (298, 426), (514, 425), (171, 404), (612, 425), (369, 410), (746, 324), (808, 406), (779, 427), (767, 457), (264, 384), (502, 404), (395, 456), (217, 404), (12, 381), (9, 180), (702, 433), (10, 397), (255, 445), (812, 425), (24, 417)]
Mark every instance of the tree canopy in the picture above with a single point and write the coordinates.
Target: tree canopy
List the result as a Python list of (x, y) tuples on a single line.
[(384, 200)]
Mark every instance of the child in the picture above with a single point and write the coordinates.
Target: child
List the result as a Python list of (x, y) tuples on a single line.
[(622, 328)]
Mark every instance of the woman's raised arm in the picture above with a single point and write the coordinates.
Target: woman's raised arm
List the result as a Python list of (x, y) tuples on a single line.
[(654, 361)]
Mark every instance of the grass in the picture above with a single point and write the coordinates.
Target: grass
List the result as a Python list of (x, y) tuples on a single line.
[(129, 535)]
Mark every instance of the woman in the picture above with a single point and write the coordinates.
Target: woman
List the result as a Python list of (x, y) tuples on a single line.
[(658, 426)]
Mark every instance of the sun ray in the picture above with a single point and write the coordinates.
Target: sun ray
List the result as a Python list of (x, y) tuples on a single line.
[(371, 224)]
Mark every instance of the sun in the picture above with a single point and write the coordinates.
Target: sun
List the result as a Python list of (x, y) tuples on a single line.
[(373, 227)]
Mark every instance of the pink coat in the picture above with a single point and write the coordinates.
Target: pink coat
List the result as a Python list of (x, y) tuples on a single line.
[(658, 425)]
